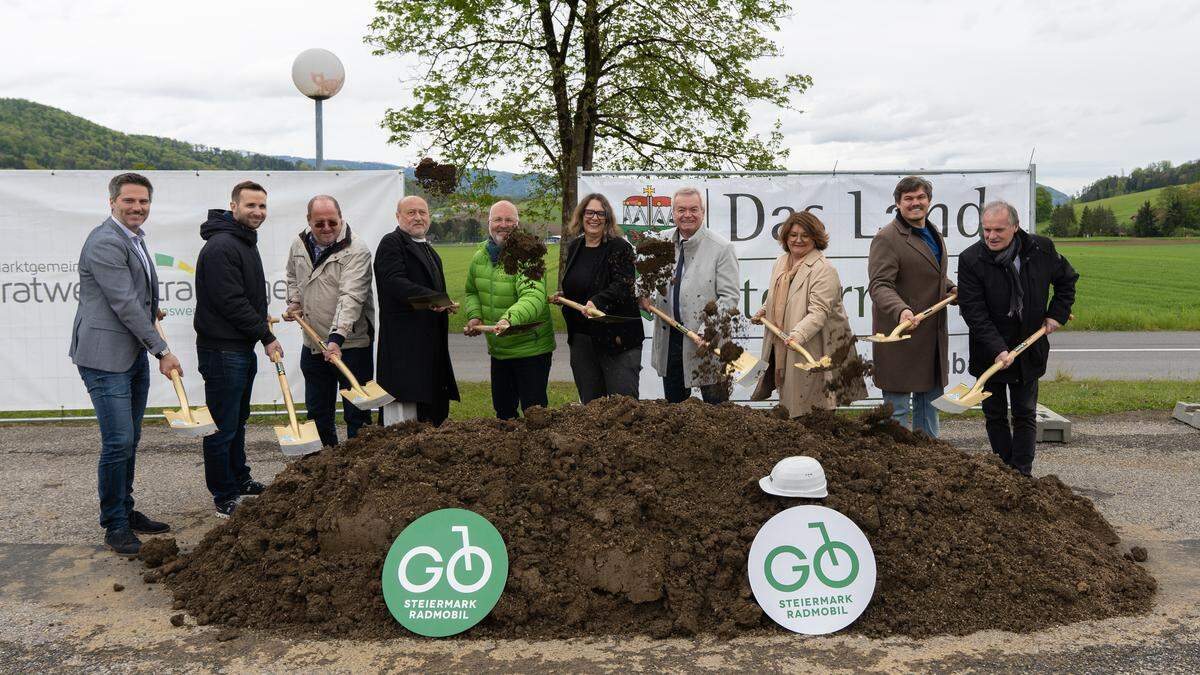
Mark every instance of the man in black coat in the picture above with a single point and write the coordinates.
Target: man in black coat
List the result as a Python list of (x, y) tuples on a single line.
[(1004, 286), (414, 350), (231, 315)]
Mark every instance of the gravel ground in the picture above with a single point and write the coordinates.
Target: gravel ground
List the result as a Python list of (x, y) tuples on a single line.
[(59, 610)]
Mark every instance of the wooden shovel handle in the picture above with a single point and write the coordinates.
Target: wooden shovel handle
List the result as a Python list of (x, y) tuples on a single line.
[(578, 307), (676, 325), (324, 347), (1014, 352), (283, 383), (175, 379), (927, 312)]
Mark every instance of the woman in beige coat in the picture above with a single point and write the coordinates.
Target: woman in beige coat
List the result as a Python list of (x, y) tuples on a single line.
[(805, 299)]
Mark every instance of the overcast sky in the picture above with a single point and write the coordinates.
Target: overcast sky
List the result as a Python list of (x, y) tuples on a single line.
[(1096, 87)]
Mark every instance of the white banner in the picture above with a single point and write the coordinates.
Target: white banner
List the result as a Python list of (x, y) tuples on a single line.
[(854, 206), (47, 216)]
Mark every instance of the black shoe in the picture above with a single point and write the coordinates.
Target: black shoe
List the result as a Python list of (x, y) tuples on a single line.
[(226, 509), (138, 522), (252, 488), (123, 542)]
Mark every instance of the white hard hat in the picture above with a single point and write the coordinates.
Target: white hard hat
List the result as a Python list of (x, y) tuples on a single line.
[(797, 476)]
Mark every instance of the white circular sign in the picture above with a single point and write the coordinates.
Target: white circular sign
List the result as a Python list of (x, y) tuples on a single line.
[(318, 73), (812, 570)]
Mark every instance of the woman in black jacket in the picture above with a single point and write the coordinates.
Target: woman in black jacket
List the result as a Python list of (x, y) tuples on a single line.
[(606, 358)]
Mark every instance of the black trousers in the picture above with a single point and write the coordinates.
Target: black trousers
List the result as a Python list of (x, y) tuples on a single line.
[(1015, 444), (322, 385), (520, 381), (673, 383)]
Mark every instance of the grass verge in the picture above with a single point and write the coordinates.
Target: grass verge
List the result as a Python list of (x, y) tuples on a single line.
[(1135, 288), (1066, 397)]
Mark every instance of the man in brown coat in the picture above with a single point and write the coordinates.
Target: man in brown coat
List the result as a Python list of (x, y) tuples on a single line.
[(907, 268)]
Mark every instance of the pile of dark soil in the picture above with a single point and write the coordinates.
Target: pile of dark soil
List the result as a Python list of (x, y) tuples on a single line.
[(636, 517), (524, 253), (655, 263)]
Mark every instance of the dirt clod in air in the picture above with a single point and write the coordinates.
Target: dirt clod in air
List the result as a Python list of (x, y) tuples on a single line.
[(846, 379), (655, 263), (439, 179), (524, 253), (636, 517)]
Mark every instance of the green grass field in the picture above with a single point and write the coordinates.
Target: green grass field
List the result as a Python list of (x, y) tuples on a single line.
[(1123, 206), (1066, 397), (455, 260), (1136, 285)]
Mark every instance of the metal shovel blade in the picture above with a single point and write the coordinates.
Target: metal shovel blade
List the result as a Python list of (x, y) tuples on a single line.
[(880, 337), (368, 396), (201, 424), (429, 301), (960, 399), (819, 366), (307, 442), (742, 366)]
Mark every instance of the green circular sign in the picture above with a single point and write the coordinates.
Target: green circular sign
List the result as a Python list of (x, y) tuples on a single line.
[(445, 572)]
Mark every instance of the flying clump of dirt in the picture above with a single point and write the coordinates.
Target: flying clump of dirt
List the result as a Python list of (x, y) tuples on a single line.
[(719, 329), (846, 381), (655, 263), (436, 178), (636, 517), (524, 253)]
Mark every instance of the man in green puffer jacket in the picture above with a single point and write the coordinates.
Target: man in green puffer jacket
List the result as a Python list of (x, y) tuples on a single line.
[(520, 363)]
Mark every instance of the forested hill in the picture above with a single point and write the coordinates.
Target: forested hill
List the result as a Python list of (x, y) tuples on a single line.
[(36, 136)]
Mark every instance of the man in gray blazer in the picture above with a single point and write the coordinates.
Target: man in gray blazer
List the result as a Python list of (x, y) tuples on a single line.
[(113, 331), (706, 270)]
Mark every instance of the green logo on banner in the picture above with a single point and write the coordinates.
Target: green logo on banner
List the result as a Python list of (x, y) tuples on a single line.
[(445, 572)]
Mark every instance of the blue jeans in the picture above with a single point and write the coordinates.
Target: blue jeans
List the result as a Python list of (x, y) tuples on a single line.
[(120, 402), (228, 381), (322, 385), (915, 411)]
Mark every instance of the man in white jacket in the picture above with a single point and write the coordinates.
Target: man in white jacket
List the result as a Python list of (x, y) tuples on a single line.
[(329, 285), (706, 270)]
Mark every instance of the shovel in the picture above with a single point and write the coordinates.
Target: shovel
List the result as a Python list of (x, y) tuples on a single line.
[(895, 335), (812, 365), (295, 439), (739, 369), (433, 301), (511, 330), (962, 398), (593, 314), (363, 396), (189, 422)]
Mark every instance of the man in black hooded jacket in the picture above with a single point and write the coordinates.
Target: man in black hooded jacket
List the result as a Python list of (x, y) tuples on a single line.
[(231, 315), (1004, 284)]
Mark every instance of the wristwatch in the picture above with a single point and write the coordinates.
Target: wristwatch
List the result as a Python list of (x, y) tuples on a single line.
[(163, 354)]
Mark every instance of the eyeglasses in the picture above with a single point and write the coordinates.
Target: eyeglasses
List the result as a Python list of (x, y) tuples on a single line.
[(323, 225), (589, 213)]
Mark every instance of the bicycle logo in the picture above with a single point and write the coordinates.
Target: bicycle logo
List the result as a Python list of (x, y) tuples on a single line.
[(464, 553), (828, 549)]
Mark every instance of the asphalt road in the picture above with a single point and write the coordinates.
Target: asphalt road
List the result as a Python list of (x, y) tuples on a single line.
[(60, 612), (1108, 356)]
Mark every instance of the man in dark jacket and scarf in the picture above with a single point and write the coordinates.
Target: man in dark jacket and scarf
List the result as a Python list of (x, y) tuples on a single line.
[(231, 315), (1004, 286)]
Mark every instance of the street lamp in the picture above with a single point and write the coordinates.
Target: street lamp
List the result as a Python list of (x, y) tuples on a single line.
[(318, 74)]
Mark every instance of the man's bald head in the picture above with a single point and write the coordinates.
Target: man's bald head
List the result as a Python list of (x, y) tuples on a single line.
[(502, 220), (412, 214)]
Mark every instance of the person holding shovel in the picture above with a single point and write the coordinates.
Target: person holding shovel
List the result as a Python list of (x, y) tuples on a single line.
[(112, 333), (1004, 283), (805, 299), (907, 267), (329, 287), (706, 270), (231, 315), (606, 357), (520, 363), (414, 347)]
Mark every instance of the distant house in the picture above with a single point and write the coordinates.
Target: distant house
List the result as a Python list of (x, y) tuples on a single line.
[(553, 239)]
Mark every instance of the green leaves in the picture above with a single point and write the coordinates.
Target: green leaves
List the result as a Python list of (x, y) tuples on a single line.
[(617, 84)]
